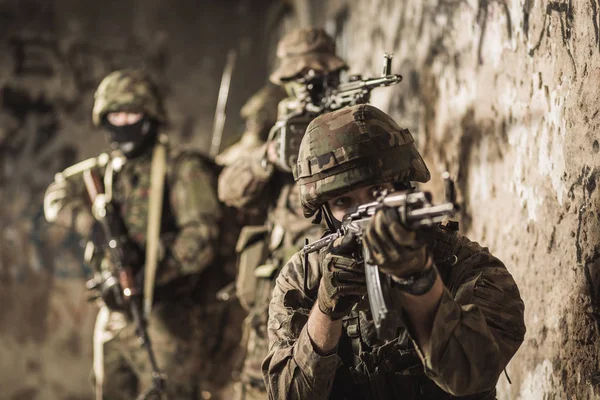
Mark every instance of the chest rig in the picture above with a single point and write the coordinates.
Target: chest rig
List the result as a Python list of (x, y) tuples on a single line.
[(263, 251), (392, 370), (138, 191)]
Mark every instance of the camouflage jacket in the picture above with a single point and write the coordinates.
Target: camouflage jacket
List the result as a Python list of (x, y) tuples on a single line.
[(249, 183), (246, 184), (477, 329), (190, 217)]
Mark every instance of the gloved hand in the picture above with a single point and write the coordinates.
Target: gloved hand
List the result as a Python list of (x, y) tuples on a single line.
[(343, 279), (393, 248)]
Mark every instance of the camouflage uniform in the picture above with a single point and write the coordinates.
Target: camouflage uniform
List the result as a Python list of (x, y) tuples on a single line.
[(478, 325), (248, 183), (188, 236), (260, 113)]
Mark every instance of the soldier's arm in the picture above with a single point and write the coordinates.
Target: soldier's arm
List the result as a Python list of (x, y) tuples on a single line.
[(65, 204), (478, 325), (243, 183), (293, 369), (197, 215)]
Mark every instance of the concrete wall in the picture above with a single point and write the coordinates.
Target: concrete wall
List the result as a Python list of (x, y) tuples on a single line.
[(53, 54), (504, 95)]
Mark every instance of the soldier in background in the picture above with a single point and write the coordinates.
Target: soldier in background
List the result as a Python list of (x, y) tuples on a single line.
[(462, 314), (259, 113), (130, 109), (308, 65)]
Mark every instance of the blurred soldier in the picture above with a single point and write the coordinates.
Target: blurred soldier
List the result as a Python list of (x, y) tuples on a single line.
[(129, 108), (308, 64), (461, 311), (260, 113)]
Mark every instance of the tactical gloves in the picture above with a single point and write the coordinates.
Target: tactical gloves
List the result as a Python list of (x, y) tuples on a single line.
[(343, 279), (394, 248)]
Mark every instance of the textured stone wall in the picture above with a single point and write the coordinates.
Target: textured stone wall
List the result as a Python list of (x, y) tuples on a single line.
[(53, 54), (504, 95)]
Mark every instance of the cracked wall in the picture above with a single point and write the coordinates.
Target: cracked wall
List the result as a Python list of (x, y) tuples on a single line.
[(504, 95)]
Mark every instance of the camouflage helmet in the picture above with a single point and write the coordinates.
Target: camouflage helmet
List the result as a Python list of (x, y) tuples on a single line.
[(305, 49), (127, 90), (353, 147)]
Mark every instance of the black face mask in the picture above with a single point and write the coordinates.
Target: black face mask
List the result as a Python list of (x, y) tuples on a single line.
[(133, 140)]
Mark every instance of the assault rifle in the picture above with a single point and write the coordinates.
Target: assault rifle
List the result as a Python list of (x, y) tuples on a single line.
[(317, 97), (416, 211), (358, 90), (125, 290)]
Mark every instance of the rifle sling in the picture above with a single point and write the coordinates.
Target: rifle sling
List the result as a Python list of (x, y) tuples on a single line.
[(157, 180)]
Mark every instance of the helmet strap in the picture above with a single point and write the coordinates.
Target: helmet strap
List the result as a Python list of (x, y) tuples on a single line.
[(318, 217), (332, 223)]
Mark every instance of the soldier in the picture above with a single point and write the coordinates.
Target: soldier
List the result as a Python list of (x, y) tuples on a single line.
[(264, 177), (129, 108), (461, 309), (260, 113)]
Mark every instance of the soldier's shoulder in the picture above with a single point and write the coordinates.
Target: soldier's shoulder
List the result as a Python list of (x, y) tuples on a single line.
[(459, 259), (293, 267), (447, 241), (181, 158), (456, 251), (300, 270)]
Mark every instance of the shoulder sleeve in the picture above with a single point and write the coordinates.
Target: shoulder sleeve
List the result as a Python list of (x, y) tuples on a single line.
[(197, 215), (479, 324), (65, 204), (193, 194), (243, 183), (292, 369)]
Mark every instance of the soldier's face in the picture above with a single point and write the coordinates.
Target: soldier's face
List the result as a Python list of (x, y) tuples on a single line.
[(311, 83), (123, 118), (129, 132), (349, 202)]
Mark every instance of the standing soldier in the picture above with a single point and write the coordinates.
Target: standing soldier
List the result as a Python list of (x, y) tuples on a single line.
[(140, 175), (308, 66), (461, 315)]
